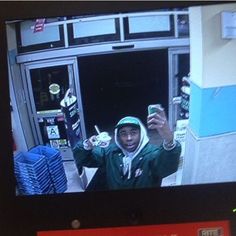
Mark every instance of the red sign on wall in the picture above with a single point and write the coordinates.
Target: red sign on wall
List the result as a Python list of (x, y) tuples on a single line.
[(212, 228), (39, 25)]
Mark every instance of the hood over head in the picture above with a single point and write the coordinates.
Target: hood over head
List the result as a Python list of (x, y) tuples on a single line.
[(128, 157), (132, 121)]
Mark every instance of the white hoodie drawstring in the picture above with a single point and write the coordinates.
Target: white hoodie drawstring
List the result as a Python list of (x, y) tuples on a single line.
[(127, 164), (129, 174)]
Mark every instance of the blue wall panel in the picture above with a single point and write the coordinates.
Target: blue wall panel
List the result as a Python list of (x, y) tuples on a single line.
[(212, 110)]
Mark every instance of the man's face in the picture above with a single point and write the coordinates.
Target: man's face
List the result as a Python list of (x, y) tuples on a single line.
[(129, 137)]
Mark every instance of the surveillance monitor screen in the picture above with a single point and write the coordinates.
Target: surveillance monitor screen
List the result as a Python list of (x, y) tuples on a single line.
[(123, 100)]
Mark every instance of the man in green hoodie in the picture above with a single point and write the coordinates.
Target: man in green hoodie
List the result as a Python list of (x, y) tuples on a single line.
[(132, 161)]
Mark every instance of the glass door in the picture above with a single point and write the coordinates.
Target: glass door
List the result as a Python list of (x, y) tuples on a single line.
[(179, 86), (47, 83)]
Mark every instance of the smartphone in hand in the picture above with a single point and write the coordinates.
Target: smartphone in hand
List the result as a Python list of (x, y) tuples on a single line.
[(154, 108)]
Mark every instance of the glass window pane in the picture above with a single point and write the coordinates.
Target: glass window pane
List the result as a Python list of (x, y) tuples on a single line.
[(94, 31), (93, 28), (183, 25), (149, 24), (49, 87), (29, 37)]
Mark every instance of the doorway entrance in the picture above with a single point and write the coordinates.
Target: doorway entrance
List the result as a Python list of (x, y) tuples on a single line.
[(121, 84)]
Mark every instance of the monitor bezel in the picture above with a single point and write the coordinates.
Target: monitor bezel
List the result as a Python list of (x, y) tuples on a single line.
[(30, 214)]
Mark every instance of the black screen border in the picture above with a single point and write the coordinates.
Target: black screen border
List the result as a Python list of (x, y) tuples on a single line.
[(25, 215)]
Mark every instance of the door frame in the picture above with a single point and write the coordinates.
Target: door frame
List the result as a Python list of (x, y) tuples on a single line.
[(71, 62), (174, 99)]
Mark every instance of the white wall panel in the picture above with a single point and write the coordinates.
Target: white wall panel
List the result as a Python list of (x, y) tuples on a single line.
[(212, 58), (209, 160)]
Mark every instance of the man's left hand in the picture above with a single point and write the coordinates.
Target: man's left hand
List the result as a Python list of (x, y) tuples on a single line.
[(158, 121)]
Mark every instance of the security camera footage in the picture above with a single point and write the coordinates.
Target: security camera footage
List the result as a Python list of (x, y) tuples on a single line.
[(74, 79)]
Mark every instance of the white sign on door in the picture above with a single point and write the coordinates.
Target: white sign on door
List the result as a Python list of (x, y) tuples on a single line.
[(53, 132)]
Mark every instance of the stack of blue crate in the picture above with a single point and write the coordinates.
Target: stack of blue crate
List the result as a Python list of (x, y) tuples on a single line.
[(32, 174), (55, 166), (40, 171)]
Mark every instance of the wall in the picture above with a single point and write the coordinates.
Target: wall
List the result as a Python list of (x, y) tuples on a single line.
[(209, 50), (212, 127), (19, 110)]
